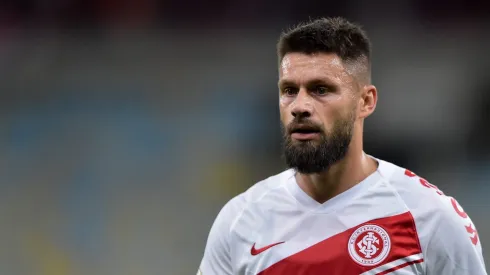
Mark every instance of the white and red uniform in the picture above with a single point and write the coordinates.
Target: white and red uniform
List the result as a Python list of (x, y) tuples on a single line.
[(393, 222)]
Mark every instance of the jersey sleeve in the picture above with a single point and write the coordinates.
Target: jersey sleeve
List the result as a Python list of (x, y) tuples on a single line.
[(454, 247), (217, 253)]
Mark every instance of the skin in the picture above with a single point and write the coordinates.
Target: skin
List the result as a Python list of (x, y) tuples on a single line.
[(322, 86)]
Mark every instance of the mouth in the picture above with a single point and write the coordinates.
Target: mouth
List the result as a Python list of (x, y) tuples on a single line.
[(304, 133)]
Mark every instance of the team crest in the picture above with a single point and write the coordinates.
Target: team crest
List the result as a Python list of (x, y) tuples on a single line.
[(369, 245)]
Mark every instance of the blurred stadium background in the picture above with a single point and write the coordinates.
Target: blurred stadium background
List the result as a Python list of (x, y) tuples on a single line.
[(126, 125)]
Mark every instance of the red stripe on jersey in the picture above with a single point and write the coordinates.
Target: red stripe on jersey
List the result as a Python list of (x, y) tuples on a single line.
[(400, 267), (332, 255)]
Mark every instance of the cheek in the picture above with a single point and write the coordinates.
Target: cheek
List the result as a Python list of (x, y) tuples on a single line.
[(330, 113), (285, 101), (285, 113), (284, 105), (335, 98)]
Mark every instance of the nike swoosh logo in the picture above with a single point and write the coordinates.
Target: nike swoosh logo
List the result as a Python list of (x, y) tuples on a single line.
[(255, 251)]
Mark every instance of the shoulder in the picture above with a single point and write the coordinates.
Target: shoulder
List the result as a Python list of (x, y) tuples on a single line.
[(217, 257), (446, 232), (430, 207), (234, 208), (416, 192)]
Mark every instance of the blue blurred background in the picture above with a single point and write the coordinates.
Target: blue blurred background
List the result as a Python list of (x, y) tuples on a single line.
[(126, 125)]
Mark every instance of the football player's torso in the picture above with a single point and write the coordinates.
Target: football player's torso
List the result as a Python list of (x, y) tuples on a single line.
[(366, 230)]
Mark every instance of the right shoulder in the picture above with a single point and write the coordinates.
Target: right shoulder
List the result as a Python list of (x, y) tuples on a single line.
[(232, 210), (217, 257)]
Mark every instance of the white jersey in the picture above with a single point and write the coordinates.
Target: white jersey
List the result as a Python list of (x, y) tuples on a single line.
[(393, 222)]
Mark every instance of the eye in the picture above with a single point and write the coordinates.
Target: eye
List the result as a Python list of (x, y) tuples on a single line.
[(289, 91), (321, 90)]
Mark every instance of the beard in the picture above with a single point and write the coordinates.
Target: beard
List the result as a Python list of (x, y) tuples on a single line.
[(315, 156)]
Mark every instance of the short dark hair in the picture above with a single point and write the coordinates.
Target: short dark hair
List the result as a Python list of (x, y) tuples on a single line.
[(328, 35)]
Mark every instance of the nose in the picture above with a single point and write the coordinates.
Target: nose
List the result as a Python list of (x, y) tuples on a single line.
[(302, 105)]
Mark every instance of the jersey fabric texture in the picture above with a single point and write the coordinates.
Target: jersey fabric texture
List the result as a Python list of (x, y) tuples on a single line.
[(393, 222)]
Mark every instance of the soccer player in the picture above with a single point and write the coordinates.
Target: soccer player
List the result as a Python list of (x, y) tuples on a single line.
[(337, 210)]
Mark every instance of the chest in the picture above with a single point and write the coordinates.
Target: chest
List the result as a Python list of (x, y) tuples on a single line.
[(332, 244)]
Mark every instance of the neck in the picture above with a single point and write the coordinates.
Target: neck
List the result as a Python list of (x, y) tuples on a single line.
[(352, 169)]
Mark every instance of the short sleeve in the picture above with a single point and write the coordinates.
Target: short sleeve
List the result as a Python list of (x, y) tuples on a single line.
[(454, 247), (217, 254)]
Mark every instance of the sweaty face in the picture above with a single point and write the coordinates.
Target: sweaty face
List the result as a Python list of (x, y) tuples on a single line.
[(318, 110)]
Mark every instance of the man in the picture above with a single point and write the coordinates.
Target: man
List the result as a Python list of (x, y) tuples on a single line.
[(337, 211)]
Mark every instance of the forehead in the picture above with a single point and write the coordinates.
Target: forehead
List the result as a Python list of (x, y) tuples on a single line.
[(302, 67)]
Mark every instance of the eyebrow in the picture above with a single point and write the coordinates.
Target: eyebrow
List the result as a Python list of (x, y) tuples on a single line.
[(314, 81), (283, 83)]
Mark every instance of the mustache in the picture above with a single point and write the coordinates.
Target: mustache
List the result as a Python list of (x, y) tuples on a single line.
[(302, 125)]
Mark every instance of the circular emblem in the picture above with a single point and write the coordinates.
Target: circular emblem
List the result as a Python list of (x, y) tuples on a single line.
[(369, 245)]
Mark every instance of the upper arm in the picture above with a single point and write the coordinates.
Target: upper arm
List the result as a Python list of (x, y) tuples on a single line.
[(216, 259), (454, 247)]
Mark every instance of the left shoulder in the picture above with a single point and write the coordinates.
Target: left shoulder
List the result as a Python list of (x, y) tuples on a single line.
[(446, 232), (418, 194)]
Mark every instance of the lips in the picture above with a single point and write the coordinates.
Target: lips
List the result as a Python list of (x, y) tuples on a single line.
[(304, 129), (304, 132)]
